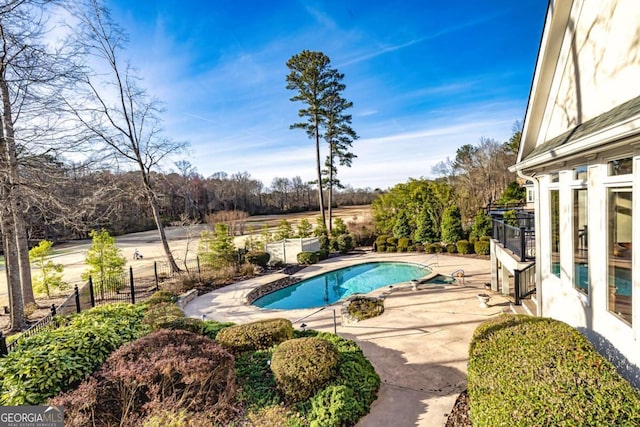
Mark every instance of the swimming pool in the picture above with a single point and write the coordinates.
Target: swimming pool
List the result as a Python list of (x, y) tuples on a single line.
[(335, 285)]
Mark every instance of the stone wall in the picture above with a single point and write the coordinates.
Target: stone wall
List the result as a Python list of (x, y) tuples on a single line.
[(267, 288)]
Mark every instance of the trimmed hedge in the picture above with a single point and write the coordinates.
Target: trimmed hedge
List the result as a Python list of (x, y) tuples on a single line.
[(307, 258), (256, 335), (526, 371), (258, 258), (464, 247), (55, 360), (302, 366), (481, 247)]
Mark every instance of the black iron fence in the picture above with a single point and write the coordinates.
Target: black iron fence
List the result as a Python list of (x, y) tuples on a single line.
[(518, 239), (121, 288), (524, 283)]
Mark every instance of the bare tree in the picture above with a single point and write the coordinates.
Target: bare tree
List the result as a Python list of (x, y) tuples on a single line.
[(122, 117)]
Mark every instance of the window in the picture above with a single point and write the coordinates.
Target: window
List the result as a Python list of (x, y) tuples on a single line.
[(555, 177), (580, 173), (554, 198), (620, 166), (530, 195), (580, 241), (619, 272)]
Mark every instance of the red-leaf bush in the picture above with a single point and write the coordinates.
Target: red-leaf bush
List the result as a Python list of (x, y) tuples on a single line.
[(166, 371)]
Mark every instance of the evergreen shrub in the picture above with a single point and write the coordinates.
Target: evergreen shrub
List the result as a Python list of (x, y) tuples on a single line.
[(161, 313), (437, 247), (160, 297), (258, 258), (526, 371), (481, 247), (452, 249), (43, 365), (257, 335), (381, 243), (322, 255), (464, 247), (307, 258), (302, 366), (429, 248), (403, 244)]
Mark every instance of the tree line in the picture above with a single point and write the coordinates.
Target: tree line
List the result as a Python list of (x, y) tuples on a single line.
[(422, 209)]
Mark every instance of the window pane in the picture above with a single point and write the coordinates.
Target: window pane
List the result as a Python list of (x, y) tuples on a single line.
[(555, 177), (555, 232), (580, 241), (580, 173), (619, 259), (620, 166)]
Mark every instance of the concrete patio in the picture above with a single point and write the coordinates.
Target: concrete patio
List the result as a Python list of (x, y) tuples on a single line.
[(418, 346)]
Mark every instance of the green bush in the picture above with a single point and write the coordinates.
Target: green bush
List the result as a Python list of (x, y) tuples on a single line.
[(392, 241), (307, 258), (381, 243), (485, 238), (452, 249), (161, 313), (403, 244), (391, 248), (363, 308), (258, 258), (256, 335), (526, 371), (429, 248), (464, 247), (345, 243), (322, 255), (481, 247), (354, 372), (55, 360), (334, 406), (302, 366), (437, 247), (162, 296)]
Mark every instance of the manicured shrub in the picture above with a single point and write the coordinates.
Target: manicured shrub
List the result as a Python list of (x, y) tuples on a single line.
[(403, 244), (302, 366), (464, 247), (162, 313), (322, 255), (429, 248), (473, 240), (345, 243), (276, 415), (526, 371), (381, 243), (162, 296), (256, 335), (485, 238), (354, 372), (323, 241), (55, 360), (419, 247), (258, 258), (452, 249), (437, 248), (334, 406), (481, 247), (392, 241), (163, 372), (307, 258), (362, 308), (391, 248)]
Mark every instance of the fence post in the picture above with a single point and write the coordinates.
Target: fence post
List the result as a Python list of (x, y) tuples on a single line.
[(53, 310), (133, 289), (516, 286), (198, 263), (523, 253), (155, 273), (77, 294), (3, 345), (92, 296)]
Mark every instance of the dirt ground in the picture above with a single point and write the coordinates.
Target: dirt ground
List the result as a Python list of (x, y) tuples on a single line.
[(183, 242)]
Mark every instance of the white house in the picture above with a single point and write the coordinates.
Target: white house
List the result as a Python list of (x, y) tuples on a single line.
[(581, 149)]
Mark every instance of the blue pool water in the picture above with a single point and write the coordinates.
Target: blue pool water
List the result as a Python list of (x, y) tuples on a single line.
[(330, 287)]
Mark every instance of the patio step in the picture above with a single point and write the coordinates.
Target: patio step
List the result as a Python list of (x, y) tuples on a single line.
[(529, 306)]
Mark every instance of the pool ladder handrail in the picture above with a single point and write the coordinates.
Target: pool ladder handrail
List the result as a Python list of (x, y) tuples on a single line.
[(303, 325), (459, 273)]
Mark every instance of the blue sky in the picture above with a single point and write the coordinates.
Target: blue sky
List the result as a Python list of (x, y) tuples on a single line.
[(425, 77)]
